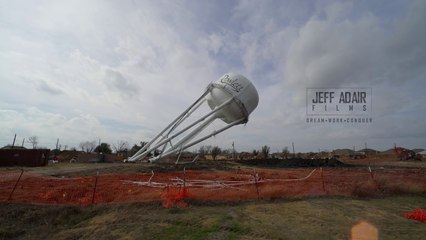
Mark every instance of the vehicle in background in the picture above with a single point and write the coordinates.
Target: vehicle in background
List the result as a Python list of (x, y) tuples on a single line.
[(404, 154)]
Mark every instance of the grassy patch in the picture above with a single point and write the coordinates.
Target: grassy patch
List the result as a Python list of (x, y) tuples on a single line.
[(316, 218)]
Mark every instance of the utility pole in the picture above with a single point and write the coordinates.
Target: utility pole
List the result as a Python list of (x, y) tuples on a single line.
[(57, 142), (13, 144), (23, 140), (233, 151), (292, 143)]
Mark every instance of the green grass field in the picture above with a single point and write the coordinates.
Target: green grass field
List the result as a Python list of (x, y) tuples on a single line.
[(314, 218)]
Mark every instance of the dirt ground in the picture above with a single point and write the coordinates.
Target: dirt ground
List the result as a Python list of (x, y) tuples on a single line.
[(89, 169), (385, 162), (222, 200)]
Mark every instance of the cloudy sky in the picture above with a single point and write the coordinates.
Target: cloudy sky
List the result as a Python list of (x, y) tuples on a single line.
[(122, 70)]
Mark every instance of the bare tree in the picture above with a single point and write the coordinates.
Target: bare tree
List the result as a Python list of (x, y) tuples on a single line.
[(255, 152), (121, 146), (87, 146), (202, 151), (33, 140), (90, 146), (216, 151), (81, 145), (208, 149), (265, 151), (285, 152)]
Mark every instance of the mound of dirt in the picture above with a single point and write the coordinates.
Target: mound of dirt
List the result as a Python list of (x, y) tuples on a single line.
[(201, 164), (294, 163)]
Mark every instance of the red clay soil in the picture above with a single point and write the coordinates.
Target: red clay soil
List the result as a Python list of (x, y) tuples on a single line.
[(172, 188)]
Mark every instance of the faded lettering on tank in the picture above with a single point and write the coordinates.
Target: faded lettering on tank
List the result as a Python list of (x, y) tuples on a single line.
[(233, 83)]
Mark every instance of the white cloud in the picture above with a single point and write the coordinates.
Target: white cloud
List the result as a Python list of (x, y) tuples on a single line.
[(94, 69), (49, 88), (334, 54), (116, 81)]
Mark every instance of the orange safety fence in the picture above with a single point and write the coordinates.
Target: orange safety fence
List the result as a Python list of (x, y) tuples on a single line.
[(174, 197), (173, 188), (418, 214)]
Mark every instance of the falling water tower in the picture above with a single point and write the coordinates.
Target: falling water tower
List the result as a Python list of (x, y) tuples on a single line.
[(231, 98)]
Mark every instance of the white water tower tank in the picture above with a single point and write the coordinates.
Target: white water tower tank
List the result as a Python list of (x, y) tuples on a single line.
[(231, 98), (232, 85)]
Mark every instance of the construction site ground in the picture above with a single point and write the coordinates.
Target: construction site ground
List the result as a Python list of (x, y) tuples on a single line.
[(223, 200)]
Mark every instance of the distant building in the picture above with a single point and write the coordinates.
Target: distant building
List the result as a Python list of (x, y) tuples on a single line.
[(24, 157), (12, 147)]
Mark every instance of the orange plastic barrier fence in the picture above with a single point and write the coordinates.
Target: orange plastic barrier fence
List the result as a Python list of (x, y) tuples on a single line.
[(418, 214), (173, 188), (174, 197)]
